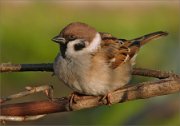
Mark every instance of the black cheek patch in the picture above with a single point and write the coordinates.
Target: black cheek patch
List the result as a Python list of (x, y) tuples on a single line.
[(79, 46), (63, 48)]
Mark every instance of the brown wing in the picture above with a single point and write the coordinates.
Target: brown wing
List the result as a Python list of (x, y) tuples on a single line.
[(115, 51), (108, 36), (118, 51)]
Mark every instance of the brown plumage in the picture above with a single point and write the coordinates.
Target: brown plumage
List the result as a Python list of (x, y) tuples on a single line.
[(96, 63), (76, 30), (119, 51)]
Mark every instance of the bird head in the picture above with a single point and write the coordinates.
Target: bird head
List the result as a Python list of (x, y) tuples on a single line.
[(77, 39)]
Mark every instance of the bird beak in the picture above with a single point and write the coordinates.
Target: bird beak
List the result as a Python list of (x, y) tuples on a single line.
[(59, 39)]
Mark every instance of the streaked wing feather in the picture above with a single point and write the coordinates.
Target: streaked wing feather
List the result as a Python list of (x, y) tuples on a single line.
[(116, 52)]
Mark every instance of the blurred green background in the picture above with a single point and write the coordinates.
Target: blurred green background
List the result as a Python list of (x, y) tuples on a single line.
[(26, 29)]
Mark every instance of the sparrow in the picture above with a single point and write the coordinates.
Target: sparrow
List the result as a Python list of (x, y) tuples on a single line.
[(96, 63)]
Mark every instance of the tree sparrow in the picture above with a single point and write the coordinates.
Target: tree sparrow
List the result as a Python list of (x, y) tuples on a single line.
[(96, 63)]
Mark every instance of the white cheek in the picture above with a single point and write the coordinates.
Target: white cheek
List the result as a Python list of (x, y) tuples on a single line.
[(92, 47), (95, 44), (70, 49), (70, 52)]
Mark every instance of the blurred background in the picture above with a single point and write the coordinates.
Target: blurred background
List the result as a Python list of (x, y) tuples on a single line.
[(26, 29)]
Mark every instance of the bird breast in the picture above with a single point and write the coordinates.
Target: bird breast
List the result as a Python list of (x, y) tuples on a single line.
[(91, 76)]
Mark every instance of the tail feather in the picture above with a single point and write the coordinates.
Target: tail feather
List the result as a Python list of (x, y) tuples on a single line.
[(136, 43), (146, 38)]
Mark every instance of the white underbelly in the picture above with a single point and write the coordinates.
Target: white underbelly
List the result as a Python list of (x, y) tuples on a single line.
[(97, 81)]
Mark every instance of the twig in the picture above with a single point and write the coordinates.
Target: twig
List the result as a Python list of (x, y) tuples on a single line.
[(153, 73), (8, 67), (48, 89), (48, 67), (21, 118), (128, 93)]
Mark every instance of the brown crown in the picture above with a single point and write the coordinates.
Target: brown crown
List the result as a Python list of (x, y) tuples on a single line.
[(78, 30)]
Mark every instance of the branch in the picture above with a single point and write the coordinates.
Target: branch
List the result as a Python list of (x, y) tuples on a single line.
[(128, 93), (8, 67), (47, 89), (48, 67), (20, 118), (170, 83)]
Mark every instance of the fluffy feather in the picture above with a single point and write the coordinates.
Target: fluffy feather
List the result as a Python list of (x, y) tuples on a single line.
[(104, 62)]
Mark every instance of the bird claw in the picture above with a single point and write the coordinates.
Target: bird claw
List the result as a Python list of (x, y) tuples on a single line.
[(73, 98), (106, 99)]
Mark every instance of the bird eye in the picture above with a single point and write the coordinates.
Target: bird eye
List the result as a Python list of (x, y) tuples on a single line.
[(71, 38), (79, 46)]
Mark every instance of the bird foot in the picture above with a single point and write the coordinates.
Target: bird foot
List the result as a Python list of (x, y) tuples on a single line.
[(74, 96), (106, 99)]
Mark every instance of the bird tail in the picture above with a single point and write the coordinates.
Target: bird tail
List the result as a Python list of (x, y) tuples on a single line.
[(136, 43), (146, 38)]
